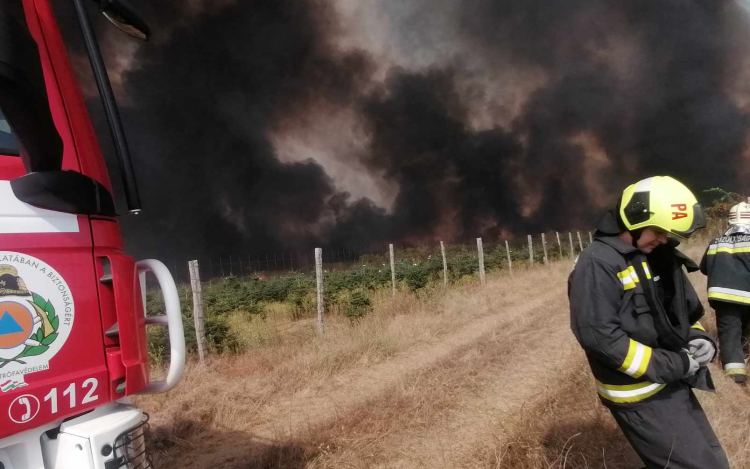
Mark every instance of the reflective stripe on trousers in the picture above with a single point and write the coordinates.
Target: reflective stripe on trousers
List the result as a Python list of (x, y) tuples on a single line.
[(735, 369)]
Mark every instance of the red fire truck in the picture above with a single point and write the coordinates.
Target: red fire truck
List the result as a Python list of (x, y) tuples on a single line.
[(73, 343)]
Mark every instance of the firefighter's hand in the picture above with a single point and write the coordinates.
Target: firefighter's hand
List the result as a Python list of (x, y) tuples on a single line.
[(702, 350), (694, 366)]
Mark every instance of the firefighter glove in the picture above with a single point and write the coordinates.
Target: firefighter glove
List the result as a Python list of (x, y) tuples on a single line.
[(693, 366), (702, 350)]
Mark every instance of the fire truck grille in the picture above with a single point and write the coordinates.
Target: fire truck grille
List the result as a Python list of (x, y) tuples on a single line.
[(130, 449)]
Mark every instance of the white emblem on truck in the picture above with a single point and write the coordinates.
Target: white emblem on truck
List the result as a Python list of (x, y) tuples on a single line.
[(36, 317)]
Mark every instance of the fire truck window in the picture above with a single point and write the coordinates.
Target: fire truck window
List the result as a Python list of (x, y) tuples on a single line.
[(8, 141)]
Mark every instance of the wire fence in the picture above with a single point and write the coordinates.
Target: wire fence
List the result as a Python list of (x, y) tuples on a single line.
[(497, 254), (342, 280)]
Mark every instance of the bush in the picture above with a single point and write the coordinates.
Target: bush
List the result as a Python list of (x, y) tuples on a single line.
[(218, 334), (231, 295), (357, 305), (417, 275), (219, 338), (303, 303), (463, 263)]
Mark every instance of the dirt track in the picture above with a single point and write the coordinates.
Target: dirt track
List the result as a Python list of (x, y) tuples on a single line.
[(506, 387)]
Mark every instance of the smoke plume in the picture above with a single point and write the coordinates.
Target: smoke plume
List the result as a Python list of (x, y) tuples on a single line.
[(287, 123)]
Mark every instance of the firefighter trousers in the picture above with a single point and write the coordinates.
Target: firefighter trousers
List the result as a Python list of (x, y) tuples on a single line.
[(733, 322), (672, 431)]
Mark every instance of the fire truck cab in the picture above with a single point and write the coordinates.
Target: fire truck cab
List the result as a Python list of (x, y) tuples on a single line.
[(73, 343)]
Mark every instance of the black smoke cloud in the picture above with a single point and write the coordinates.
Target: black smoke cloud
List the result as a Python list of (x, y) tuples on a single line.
[(204, 104), (672, 113), (649, 83)]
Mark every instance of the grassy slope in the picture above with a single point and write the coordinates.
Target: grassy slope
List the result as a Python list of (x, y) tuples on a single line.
[(468, 376)]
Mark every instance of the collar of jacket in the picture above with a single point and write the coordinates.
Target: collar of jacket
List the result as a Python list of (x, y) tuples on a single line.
[(734, 229), (615, 242), (610, 223), (609, 228)]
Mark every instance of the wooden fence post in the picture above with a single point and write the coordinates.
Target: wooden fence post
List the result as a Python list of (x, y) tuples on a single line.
[(445, 264), (580, 243), (559, 245), (510, 262), (531, 252), (200, 327), (572, 248), (480, 253), (591, 239), (393, 269), (544, 246), (319, 283)]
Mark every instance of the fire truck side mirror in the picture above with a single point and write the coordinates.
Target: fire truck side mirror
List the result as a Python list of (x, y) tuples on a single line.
[(121, 14), (64, 191)]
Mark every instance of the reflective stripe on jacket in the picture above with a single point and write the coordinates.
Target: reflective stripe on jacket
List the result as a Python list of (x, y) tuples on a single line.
[(613, 322), (727, 265)]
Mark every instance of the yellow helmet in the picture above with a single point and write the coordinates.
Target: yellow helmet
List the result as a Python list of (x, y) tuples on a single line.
[(663, 202)]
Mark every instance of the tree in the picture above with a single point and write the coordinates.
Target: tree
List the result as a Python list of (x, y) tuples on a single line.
[(722, 201)]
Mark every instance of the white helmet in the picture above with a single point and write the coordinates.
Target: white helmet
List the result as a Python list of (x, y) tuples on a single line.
[(740, 214)]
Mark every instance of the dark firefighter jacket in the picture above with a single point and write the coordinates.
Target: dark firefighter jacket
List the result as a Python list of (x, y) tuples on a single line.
[(727, 265), (633, 319)]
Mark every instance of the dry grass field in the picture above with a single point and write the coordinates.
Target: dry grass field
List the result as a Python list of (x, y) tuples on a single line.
[(468, 376)]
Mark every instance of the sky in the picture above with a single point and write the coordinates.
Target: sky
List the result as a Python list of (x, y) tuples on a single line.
[(269, 125)]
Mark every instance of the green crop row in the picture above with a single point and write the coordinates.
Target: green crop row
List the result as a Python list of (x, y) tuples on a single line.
[(347, 287)]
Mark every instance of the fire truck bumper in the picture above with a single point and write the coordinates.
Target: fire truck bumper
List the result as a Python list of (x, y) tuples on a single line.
[(109, 437)]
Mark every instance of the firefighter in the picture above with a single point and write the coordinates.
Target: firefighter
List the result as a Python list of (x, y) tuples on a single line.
[(635, 314), (727, 265)]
